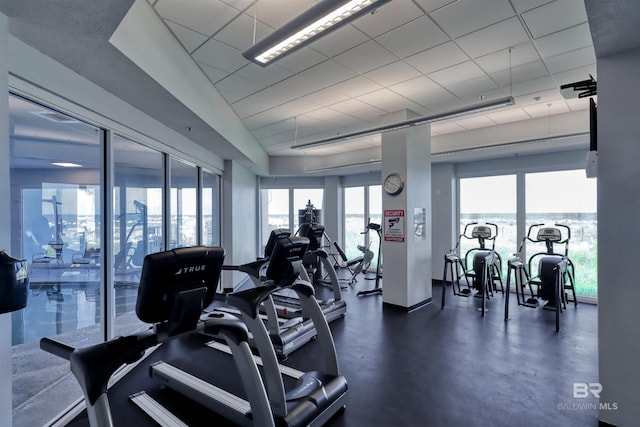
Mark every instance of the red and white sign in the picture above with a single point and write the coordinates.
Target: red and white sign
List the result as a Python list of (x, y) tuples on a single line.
[(394, 225)]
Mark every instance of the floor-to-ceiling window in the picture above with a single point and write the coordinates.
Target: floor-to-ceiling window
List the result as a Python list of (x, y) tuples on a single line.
[(568, 197), (490, 199), (137, 221), (210, 209), (307, 199), (58, 164), (275, 209), (183, 221), (362, 204), (55, 172), (552, 197)]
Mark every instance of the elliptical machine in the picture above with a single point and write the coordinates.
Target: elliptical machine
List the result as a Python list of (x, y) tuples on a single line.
[(368, 255), (546, 262), (484, 269)]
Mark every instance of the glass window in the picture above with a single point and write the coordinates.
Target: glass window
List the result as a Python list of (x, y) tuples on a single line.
[(375, 216), (568, 197), (490, 199), (137, 216), (301, 198), (210, 209), (55, 169), (183, 222), (276, 204), (354, 220)]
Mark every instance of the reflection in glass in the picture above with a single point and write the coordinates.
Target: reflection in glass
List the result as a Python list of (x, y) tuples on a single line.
[(55, 186), (210, 209), (354, 221), (137, 227), (183, 222)]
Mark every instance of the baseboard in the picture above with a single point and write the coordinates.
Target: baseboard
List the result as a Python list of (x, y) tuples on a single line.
[(408, 309), (605, 424)]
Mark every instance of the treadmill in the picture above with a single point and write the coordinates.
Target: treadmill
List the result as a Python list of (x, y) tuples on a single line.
[(174, 308), (315, 396), (180, 392)]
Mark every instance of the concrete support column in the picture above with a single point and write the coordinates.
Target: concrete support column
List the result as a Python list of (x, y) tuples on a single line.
[(407, 258)]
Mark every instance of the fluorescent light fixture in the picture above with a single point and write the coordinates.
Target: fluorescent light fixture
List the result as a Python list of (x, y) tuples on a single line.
[(66, 165), (315, 22), (477, 108), (329, 168), (563, 137)]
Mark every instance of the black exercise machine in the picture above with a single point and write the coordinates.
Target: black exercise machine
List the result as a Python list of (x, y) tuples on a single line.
[(484, 270), (174, 307), (555, 271), (377, 289)]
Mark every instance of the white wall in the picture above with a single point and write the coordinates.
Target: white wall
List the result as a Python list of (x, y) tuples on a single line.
[(5, 319), (239, 219), (618, 232)]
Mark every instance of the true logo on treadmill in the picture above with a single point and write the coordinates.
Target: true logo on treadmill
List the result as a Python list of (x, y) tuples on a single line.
[(192, 269)]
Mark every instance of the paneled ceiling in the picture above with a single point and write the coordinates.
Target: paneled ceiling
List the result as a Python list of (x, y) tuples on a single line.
[(426, 56)]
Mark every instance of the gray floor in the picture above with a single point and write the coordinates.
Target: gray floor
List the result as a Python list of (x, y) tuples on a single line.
[(448, 367), (452, 367)]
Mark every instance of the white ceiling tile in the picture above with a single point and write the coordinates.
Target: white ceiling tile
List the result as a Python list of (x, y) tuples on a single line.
[(424, 91), (465, 16), (203, 16), (339, 41), (431, 5), (534, 86), (276, 13), (413, 37), (390, 101), (546, 109), (188, 38), (327, 73), (264, 75), (213, 73), (494, 38), (276, 128), (443, 128), (475, 122), (576, 75), (437, 58), (220, 56), (356, 86), (521, 73), (239, 32), (524, 5), (471, 87), (326, 96), (388, 17), (564, 41), (359, 109), (556, 16), (238, 4), (508, 115), (234, 88), (522, 53), (578, 104), (540, 97), (570, 60), (393, 73), (366, 57), (457, 73), (301, 60)]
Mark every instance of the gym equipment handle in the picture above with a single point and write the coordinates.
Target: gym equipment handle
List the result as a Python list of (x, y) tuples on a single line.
[(56, 347)]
